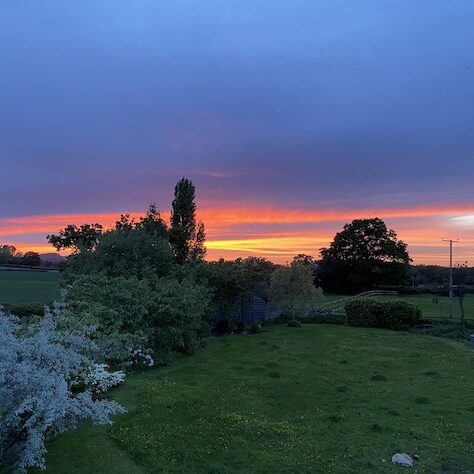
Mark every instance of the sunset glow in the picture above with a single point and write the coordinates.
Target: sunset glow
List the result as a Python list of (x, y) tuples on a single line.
[(279, 234)]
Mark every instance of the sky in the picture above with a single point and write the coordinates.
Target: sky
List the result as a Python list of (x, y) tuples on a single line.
[(291, 117)]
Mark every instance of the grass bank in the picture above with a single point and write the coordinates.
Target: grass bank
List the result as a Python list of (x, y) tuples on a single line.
[(22, 287), (319, 398)]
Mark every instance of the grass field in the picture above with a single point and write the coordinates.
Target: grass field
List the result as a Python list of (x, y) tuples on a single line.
[(18, 287), (319, 398), (431, 305)]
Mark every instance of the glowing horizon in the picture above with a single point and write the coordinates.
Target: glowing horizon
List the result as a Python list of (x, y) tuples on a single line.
[(279, 234)]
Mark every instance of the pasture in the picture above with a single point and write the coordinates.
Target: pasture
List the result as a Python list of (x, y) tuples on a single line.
[(319, 398), (22, 287), (432, 306)]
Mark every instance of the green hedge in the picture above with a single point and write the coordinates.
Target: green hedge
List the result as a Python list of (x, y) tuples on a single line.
[(369, 313), (26, 310)]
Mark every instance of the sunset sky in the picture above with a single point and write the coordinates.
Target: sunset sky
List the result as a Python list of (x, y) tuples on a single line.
[(291, 117)]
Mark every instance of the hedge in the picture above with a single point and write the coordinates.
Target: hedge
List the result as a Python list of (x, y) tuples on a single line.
[(369, 313)]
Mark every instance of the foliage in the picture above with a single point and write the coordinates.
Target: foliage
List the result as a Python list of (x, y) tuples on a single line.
[(294, 323), (26, 310), (98, 379), (152, 223), (233, 282), (160, 316), (255, 328), (77, 239), (438, 276), (7, 254), (39, 396), (140, 252), (292, 290), (397, 315), (31, 259), (304, 259), (186, 234), (362, 256)]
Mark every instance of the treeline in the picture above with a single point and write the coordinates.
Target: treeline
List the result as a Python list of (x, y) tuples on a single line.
[(10, 255), (436, 275)]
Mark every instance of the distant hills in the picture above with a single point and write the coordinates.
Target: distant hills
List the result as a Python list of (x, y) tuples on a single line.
[(52, 257)]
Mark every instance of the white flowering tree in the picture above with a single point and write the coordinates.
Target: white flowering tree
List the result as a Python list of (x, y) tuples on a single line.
[(48, 384), (292, 290)]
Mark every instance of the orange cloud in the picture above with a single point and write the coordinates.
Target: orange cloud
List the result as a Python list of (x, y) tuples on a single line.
[(279, 234)]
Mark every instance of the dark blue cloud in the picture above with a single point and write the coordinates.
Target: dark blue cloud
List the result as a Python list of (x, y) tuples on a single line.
[(309, 103)]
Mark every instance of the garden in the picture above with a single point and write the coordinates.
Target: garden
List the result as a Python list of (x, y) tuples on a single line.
[(102, 381)]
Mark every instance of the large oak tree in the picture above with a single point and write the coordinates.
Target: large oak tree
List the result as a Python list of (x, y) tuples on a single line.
[(364, 255)]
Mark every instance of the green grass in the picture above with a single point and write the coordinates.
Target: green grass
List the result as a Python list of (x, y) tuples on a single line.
[(20, 287), (319, 398), (431, 305)]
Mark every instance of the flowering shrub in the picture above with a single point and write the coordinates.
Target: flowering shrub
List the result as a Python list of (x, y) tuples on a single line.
[(98, 379), (139, 357), (39, 392), (292, 290)]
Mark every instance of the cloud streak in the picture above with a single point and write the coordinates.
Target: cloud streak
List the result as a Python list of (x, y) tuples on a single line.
[(279, 234)]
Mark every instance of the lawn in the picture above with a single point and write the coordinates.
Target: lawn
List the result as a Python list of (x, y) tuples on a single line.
[(432, 306), (20, 287), (319, 398)]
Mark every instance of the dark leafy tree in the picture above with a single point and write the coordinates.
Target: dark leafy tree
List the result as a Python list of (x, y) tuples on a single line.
[(362, 256), (307, 261), (125, 223), (8, 254), (32, 259), (125, 252), (187, 236), (304, 259), (153, 223), (77, 239)]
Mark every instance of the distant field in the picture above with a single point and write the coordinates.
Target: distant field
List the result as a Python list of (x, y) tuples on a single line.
[(430, 305), (18, 287)]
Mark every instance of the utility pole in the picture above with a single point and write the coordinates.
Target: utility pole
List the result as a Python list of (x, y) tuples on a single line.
[(450, 274)]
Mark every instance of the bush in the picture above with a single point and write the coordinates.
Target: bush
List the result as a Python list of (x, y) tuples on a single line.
[(255, 328), (294, 323), (47, 385), (137, 318), (397, 315), (293, 292), (27, 310)]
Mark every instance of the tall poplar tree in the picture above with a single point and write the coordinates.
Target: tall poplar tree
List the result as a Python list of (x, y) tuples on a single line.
[(186, 234)]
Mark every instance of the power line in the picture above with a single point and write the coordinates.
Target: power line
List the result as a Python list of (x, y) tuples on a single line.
[(451, 241)]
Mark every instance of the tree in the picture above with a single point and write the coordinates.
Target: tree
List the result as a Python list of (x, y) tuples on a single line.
[(32, 259), (125, 252), (125, 223), (7, 253), (152, 223), (77, 239), (40, 367), (362, 256), (293, 291), (186, 235), (304, 259)]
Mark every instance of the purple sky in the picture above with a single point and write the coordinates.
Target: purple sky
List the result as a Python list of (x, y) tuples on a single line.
[(310, 105)]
